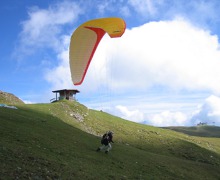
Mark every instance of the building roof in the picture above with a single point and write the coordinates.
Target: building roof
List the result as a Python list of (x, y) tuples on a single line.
[(74, 90)]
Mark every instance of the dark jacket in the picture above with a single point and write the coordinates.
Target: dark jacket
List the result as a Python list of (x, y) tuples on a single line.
[(106, 139)]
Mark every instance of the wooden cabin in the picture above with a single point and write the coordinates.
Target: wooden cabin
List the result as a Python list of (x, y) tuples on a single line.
[(68, 94)]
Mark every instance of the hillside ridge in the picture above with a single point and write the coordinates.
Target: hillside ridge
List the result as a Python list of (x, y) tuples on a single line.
[(9, 98), (59, 141)]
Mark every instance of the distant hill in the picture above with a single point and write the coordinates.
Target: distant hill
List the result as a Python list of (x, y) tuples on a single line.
[(202, 131), (8, 98)]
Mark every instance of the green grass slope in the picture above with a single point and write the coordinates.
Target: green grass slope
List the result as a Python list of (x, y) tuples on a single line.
[(58, 141)]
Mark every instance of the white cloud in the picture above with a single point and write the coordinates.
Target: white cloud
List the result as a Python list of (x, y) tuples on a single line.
[(208, 112), (173, 54), (133, 115), (167, 118), (139, 115), (59, 77), (28, 102), (44, 27)]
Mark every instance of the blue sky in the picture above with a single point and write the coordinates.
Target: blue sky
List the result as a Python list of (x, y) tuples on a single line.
[(163, 71)]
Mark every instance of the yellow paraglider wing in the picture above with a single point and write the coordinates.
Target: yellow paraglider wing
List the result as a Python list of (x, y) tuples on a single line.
[(85, 40)]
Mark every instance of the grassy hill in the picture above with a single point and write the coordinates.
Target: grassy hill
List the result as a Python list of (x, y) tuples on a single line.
[(8, 98), (58, 141), (202, 131)]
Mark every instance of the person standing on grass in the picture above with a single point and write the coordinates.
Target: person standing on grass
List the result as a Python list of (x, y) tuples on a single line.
[(106, 142)]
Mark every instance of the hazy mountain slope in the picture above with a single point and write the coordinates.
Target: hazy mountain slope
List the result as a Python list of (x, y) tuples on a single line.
[(202, 131)]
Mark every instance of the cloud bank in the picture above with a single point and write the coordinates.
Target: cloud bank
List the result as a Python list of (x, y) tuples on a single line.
[(208, 112), (173, 54)]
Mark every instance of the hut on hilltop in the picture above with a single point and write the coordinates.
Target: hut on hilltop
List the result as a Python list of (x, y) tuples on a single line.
[(68, 94)]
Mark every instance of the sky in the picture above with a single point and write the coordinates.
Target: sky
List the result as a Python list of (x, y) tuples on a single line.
[(164, 70)]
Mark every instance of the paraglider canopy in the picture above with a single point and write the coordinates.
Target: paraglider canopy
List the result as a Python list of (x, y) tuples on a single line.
[(85, 40)]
